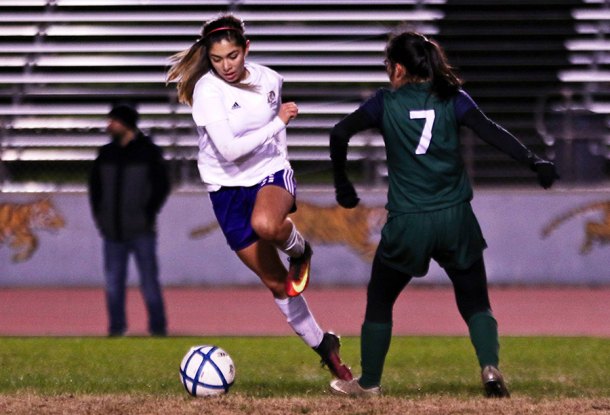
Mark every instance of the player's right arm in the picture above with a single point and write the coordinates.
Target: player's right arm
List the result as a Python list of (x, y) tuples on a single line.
[(232, 147), (94, 185), (209, 112), (367, 116)]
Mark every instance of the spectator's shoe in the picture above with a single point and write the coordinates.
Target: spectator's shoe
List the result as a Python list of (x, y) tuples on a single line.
[(352, 388), (329, 352), (493, 382), (298, 272)]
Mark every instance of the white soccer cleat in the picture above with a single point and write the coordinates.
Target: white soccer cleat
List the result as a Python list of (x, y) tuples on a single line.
[(352, 388)]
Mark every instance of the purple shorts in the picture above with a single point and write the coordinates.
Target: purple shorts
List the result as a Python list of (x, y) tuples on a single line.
[(233, 207)]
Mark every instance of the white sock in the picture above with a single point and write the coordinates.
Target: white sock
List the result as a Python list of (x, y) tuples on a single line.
[(301, 320), (294, 246)]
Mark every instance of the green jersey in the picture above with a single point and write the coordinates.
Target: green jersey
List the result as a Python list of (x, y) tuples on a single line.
[(421, 132), (429, 192)]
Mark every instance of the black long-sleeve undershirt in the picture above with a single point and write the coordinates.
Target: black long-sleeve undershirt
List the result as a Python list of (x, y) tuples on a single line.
[(495, 135), (342, 132), (475, 119)]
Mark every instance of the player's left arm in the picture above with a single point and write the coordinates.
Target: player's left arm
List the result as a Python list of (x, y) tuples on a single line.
[(161, 185), (469, 114)]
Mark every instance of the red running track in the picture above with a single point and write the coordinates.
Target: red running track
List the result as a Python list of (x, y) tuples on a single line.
[(520, 311)]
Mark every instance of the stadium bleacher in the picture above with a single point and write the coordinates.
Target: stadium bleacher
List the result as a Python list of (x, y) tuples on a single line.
[(63, 62), (585, 96), (589, 52)]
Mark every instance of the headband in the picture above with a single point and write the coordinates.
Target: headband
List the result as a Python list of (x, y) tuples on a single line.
[(222, 28)]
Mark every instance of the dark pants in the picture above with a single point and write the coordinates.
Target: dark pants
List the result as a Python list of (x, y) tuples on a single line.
[(116, 255), (470, 288)]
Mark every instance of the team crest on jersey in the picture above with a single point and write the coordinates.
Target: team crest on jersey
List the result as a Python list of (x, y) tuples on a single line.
[(271, 97)]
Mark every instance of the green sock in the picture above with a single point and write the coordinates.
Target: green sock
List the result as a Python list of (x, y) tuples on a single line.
[(483, 330), (374, 344)]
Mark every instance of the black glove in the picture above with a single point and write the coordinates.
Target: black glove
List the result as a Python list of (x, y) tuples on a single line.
[(546, 172), (345, 193)]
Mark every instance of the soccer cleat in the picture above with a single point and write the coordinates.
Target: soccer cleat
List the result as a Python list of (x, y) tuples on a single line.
[(352, 388), (298, 272), (493, 382), (329, 352)]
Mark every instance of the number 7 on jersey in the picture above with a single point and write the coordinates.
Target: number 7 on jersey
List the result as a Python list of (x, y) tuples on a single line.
[(426, 134)]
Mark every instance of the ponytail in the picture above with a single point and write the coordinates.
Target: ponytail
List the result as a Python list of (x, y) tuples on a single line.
[(187, 67), (445, 83), (424, 60)]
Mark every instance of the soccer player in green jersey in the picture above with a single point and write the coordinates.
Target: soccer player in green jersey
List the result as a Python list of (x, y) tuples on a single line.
[(429, 212)]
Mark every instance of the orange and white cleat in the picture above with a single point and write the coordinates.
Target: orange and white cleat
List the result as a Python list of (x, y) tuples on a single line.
[(298, 272)]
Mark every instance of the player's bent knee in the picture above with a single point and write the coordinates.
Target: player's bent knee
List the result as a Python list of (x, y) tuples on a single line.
[(266, 229)]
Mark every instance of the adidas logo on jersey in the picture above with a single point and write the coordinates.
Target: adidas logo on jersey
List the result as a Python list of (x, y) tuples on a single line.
[(235, 106)]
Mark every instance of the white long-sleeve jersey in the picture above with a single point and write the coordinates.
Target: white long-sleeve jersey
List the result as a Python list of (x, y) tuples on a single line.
[(241, 138)]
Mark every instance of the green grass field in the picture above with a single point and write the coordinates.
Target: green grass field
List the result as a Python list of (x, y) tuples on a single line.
[(417, 368)]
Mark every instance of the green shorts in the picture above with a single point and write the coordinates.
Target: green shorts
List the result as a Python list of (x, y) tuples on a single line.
[(451, 236)]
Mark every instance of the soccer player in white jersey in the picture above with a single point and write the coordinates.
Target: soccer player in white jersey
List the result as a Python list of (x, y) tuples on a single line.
[(243, 163)]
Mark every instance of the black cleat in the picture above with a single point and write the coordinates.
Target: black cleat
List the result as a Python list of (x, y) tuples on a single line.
[(329, 352), (493, 382)]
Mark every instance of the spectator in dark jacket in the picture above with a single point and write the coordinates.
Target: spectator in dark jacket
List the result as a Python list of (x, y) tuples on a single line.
[(127, 188)]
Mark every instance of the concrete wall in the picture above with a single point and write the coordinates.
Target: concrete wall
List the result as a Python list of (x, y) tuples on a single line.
[(512, 222)]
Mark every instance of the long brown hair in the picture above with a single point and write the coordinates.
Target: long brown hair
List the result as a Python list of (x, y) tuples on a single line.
[(424, 59), (192, 63)]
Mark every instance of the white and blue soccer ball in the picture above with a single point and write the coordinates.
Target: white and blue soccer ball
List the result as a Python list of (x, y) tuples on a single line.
[(207, 370)]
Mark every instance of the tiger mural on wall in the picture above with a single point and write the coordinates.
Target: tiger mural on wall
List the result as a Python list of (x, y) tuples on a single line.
[(357, 228), (19, 220), (595, 231)]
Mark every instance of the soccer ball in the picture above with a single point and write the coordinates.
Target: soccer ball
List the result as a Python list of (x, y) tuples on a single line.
[(207, 370)]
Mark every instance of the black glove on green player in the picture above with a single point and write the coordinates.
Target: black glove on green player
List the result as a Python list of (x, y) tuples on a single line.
[(345, 193), (546, 172)]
